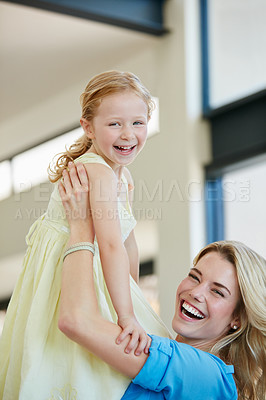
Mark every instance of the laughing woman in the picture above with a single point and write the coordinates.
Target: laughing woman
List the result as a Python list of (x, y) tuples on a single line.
[(219, 350)]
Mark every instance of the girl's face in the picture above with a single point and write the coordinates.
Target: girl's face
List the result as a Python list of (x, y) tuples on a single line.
[(119, 128), (206, 301)]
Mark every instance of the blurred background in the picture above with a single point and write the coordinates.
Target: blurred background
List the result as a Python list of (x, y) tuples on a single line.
[(202, 174)]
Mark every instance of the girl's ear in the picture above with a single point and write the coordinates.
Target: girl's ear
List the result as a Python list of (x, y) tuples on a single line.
[(87, 127)]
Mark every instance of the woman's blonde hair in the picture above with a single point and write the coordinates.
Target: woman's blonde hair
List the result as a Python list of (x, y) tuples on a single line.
[(100, 86), (245, 347)]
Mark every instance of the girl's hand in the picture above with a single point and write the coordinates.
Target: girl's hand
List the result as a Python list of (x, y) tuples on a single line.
[(139, 341), (74, 192)]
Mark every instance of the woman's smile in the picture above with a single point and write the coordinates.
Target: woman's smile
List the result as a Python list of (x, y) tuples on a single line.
[(189, 312)]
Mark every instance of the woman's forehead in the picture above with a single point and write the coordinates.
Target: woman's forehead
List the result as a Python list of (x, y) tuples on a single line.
[(213, 267)]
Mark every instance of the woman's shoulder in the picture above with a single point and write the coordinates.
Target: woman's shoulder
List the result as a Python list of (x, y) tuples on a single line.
[(184, 351), (184, 369)]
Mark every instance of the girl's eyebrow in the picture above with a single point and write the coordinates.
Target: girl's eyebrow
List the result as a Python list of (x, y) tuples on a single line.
[(215, 283)]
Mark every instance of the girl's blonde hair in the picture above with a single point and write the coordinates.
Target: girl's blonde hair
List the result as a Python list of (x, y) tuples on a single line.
[(100, 86), (245, 347)]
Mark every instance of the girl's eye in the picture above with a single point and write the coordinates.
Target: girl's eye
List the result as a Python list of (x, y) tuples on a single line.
[(114, 124), (193, 276), (138, 123)]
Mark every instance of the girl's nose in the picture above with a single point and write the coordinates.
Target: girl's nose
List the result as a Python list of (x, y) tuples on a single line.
[(127, 133)]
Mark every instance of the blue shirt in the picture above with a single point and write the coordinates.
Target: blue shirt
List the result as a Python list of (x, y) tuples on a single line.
[(178, 371)]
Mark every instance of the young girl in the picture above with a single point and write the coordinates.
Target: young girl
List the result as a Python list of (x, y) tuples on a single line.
[(37, 360)]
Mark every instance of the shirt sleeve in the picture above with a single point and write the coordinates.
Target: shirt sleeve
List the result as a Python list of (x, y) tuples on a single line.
[(180, 370)]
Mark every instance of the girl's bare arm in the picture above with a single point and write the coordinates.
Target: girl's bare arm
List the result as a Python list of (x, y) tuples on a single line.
[(130, 243), (114, 258), (133, 256)]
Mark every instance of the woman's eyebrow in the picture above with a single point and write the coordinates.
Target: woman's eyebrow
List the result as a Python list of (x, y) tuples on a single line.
[(215, 283), (222, 286)]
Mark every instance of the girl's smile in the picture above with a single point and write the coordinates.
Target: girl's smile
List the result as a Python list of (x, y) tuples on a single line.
[(125, 150)]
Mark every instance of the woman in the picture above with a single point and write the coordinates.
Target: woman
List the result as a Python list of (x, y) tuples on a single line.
[(219, 319)]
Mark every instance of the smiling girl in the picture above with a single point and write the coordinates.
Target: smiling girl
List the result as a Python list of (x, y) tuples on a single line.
[(37, 360)]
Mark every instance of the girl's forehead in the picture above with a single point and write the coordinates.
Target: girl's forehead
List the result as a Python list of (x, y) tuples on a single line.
[(121, 101), (129, 93)]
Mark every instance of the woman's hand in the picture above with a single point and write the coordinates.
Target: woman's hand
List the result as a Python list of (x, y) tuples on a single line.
[(74, 192)]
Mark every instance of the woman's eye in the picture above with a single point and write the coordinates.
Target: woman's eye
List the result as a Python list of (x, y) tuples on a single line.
[(114, 124), (218, 292), (193, 276)]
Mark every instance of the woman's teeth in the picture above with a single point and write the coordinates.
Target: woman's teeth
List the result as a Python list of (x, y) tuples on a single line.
[(188, 309)]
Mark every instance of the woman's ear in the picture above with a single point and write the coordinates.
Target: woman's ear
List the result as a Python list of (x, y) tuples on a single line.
[(235, 323), (87, 127)]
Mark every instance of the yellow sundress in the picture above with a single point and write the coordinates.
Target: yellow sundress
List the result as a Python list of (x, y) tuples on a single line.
[(37, 361)]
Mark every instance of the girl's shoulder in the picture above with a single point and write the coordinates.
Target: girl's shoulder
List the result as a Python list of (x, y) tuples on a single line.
[(92, 158), (97, 167)]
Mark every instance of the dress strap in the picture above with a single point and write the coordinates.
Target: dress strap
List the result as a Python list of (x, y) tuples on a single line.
[(127, 203)]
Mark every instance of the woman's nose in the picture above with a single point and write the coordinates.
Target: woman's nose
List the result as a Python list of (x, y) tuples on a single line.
[(198, 293)]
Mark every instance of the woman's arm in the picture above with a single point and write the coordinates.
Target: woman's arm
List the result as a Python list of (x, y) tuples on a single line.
[(81, 320), (79, 316)]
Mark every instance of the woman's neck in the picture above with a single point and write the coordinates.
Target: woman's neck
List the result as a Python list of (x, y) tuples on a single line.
[(198, 344)]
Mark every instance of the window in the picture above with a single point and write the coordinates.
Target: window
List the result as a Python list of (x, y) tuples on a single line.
[(235, 201), (6, 179), (244, 205), (30, 167)]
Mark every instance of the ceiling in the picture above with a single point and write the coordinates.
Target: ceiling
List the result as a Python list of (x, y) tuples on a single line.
[(41, 52)]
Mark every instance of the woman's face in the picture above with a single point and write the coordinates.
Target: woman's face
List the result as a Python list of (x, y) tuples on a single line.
[(205, 302)]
